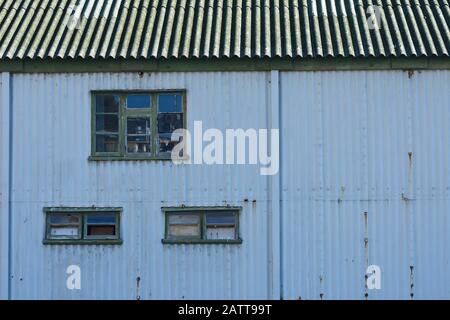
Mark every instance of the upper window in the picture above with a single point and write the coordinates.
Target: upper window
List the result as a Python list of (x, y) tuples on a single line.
[(202, 225), (82, 225), (136, 125)]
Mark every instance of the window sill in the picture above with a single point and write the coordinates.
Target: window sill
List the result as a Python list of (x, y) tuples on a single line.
[(112, 158), (187, 241), (82, 242)]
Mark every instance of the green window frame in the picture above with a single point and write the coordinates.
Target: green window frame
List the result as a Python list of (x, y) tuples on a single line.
[(148, 142), (89, 223), (175, 217)]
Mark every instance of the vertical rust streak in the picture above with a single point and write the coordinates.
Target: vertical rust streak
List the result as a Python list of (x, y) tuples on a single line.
[(138, 281), (366, 252), (411, 281)]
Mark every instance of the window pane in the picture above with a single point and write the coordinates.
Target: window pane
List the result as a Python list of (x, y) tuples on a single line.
[(107, 123), (166, 144), (170, 102), (221, 226), (184, 231), (167, 124), (99, 230), (71, 232), (217, 233), (101, 225), (64, 219), (101, 219), (107, 143), (184, 219), (138, 135), (107, 103), (184, 225), (138, 125), (138, 101), (220, 218), (63, 225)]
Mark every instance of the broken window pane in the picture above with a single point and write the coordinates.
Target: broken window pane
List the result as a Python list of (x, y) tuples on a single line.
[(184, 225), (221, 226), (167, 124), (100, 226), (65, 226), (138, 135), (107, 142), (107, 103), (138, 101), (170, 102)]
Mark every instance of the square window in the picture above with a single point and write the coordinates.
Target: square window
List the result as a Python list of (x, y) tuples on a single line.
[(126, 126)]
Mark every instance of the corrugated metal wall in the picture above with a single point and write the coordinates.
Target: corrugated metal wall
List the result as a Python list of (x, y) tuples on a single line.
[(365, 180), (4, 182), (51, 168)]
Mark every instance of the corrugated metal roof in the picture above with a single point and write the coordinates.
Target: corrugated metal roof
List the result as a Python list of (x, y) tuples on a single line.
[(222, 28)]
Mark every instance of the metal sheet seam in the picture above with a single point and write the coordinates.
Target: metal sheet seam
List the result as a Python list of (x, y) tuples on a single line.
[(274, 194), (410, 191), (280, 183), (10, 179)]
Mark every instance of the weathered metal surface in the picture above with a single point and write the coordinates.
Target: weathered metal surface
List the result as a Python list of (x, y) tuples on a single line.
[(365, 182), (4, 181), (222, 28), (51, 145)]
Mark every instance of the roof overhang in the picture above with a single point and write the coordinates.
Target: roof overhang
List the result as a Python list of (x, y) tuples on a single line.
[(222, 65)]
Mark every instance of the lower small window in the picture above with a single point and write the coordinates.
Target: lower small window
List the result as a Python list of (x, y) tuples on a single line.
[(82, 226), (198, 225)]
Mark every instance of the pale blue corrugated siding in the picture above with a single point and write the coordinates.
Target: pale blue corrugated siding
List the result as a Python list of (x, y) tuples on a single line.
[(346, 140), (51, 169)]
